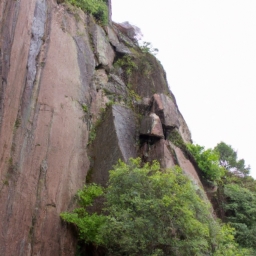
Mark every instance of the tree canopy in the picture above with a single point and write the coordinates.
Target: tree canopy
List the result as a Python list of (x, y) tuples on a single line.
[(228, 159)]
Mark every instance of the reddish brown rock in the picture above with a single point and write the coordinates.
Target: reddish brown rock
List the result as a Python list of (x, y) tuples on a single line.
[(186, 165), (166, 109), (151, 126), (43, 135)]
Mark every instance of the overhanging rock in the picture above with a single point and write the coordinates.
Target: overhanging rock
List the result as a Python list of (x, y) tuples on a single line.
[(166, 109), (151, 126)]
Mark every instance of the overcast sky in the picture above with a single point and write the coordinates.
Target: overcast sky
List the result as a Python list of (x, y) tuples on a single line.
[(208, 49)]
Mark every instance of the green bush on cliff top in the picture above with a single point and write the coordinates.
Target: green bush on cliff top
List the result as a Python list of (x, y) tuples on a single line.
[(98, 8)]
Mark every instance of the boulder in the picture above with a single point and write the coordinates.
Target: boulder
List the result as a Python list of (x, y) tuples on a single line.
[(166, 109), (151, 126)]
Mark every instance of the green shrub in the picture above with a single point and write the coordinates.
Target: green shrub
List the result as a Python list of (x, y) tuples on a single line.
[(98, 8), (127, 63), (88, 225), (226, 245), (208, 162), (154, 212), (149, 211), (240, 208), (177, 140)]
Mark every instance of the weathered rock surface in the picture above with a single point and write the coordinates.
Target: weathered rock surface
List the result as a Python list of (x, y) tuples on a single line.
[(56, 68), (133, 32), (165, 108), (43, 137), (158, 151), (115, 86), (116, 139), (151, 126), (186, 165), (104, 52)]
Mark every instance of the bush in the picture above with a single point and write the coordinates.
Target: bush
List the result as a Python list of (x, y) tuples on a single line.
[(226, 245), (149, 211), (240, 208), (207, 161), (88, 224), (154, 212), (98, 8)]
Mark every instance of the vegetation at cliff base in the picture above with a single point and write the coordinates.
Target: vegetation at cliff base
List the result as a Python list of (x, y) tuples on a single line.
[(98, 8), (149, 211)]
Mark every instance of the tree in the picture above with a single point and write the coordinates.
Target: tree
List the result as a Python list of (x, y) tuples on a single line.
[(240, 208), (236, 197), (207, 161), (228, 159), (154, 212)]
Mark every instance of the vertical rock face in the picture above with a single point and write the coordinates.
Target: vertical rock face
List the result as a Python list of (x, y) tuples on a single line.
[(59, 70), (43, 134)]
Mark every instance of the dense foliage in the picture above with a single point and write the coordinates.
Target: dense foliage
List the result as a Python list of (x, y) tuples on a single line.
[(149, 211), (240, 208), (88, 224), (208, 162), (98, 8), (155, 213), (235, 198)]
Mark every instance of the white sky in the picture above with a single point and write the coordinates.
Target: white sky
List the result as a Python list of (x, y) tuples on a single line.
[(208, 49)]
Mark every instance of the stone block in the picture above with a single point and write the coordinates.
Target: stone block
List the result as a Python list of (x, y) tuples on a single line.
[(151, 126)]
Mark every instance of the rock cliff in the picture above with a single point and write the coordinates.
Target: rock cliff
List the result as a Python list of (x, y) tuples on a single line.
[(74, 98)]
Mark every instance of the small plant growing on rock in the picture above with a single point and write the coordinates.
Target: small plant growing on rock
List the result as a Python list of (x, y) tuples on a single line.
[(85, 108), (127, 63), (147, 47)]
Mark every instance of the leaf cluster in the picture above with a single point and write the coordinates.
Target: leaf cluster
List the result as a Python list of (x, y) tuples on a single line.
[(98, 8), (88, 225), (127, 63), (147, 47), (208, 161), (154, 212), (240, 209)]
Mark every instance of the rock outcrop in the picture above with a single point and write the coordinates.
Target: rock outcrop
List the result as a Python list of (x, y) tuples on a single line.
[(74, 98)]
